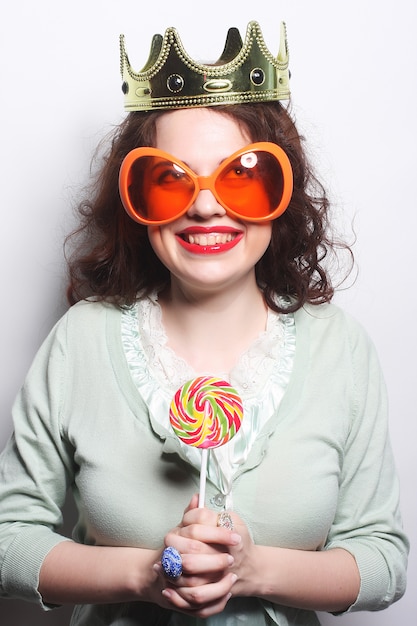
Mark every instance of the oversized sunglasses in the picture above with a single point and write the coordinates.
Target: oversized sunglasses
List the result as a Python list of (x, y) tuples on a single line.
[(253, 184)]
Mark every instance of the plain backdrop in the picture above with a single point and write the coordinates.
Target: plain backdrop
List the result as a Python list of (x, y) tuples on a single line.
[(354, 89)]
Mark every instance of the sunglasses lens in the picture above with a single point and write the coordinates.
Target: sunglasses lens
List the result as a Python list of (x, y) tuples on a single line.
[(252, 184), (158, 188)]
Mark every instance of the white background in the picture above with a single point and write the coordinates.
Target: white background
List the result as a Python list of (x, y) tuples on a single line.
[(354, 87)]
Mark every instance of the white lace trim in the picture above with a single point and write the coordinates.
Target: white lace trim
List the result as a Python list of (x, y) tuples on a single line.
[(260, 376)]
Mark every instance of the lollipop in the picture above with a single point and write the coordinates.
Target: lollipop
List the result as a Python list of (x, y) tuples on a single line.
[(206, 412)]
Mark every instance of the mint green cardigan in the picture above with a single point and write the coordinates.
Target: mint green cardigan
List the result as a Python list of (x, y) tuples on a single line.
[(320, 475)]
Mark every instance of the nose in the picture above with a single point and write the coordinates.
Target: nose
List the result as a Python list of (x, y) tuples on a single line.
[(205, 206)]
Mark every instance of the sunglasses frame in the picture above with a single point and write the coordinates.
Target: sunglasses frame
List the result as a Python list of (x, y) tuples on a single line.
[(206, 182)]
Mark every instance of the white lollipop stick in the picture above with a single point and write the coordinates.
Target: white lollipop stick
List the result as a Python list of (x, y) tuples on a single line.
[(203, 475), (203, 469)]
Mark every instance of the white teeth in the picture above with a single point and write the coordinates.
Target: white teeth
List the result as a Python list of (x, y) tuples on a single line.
[(211, 239)]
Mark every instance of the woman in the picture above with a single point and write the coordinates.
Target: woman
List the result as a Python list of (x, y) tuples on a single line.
[(189, 287)]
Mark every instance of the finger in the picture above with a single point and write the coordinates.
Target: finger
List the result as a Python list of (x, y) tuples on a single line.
[(193, 504), (205, 517), (199, 515), (203, 612), (187, 580), (201, 533), (201, 597), (205, 595), (197, 548), (201, 569), (206, 563), (199, 580)]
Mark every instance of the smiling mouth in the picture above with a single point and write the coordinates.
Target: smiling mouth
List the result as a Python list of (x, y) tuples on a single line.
[(202, 241), (209, 239)]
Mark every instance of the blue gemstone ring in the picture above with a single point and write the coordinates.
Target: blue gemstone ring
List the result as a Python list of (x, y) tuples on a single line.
[(171, 562)]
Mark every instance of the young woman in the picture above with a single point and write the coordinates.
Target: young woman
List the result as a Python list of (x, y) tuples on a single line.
[(217, 274)]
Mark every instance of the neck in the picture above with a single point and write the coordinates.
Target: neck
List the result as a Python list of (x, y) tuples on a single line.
[(211, 330)]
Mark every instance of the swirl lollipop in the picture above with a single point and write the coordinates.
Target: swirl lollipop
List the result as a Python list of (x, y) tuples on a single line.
[(206, 412)]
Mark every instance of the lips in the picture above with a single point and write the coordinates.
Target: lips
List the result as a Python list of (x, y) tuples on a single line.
[(213, 240)]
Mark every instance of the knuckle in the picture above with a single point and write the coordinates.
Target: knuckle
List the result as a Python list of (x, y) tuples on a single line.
[(193, 531), (195, 546), (197, 597), (170, 538)]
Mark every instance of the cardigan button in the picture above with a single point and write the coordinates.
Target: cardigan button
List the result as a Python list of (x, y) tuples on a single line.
[(218, 500)]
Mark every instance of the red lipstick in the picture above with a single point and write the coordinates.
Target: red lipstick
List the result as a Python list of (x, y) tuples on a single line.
[(209, 240)]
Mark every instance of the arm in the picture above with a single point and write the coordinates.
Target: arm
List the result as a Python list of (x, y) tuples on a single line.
[(74, 573), (320, 581), (79, 574), (36, 469), (362, 564), (368, 522), (326, 581)]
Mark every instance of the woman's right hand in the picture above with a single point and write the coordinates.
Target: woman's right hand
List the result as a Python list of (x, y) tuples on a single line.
[(81, 574)]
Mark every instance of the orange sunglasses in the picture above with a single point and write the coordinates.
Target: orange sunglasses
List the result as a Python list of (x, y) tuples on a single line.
[(253, 184)]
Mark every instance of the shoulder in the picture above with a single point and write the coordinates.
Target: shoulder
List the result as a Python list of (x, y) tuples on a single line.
[(90, 309), (335, 354), (84, 326), (329, 334), (89, 314), (330, 320)]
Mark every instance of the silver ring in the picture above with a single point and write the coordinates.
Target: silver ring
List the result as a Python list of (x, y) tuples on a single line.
[(225, 521), (171, 562)]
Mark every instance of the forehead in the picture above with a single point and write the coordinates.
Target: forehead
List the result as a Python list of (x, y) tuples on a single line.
[(200, 132)]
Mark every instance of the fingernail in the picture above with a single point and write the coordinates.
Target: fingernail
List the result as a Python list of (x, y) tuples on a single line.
[(234, 579), (230, 559), (236, 538)]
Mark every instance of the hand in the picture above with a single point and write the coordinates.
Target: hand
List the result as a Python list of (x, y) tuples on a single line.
[(206, 583), (244, 555), (238, 543)]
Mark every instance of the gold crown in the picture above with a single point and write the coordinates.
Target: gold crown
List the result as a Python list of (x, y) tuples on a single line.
[(171, 79)]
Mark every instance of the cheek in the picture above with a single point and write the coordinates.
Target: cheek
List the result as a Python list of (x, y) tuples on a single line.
[(153, 234), (261, 238), (160, 238), (155, 238)]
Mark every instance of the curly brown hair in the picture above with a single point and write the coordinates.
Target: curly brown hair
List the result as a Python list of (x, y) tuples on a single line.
[(113, 260)]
